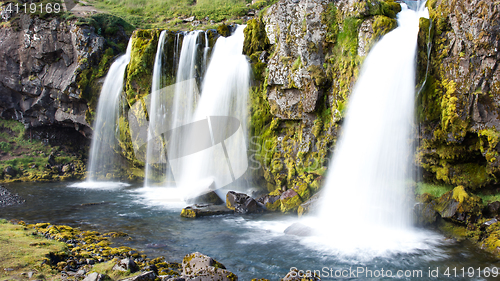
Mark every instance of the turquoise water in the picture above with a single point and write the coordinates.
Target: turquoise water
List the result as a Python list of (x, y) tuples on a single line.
[(251, 246)]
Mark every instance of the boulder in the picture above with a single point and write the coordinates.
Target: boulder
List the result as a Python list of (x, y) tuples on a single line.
[(242, 203), (290, 201), (309, 206), (492, 209), (206, 194), (146, 276), (270, 202), (425, 214), (199, 267), (459, 206), (203, 210), (299, 229), (126, 264), (10, 171)]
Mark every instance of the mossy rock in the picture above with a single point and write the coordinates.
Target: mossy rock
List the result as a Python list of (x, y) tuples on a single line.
[(459, 206)]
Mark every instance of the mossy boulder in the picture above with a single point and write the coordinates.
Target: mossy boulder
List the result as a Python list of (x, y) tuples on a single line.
[(202, 267), (290, 201), (459, 206), (242, 203), (203, 210)]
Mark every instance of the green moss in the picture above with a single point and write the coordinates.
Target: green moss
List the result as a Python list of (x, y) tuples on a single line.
[(223, 30), (255, 37), (290, 205), (383, 25), (297, 64)]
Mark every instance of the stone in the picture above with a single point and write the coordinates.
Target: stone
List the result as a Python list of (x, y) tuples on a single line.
[(10, 171), (290, 201), (242, 203), (95, 277), (126, 264), (51, 160), (197, 261), (9, 199), (66, 168), (209, 197), (459, 206), (203, 210), (425, 214), (490, 222), (199, 267), (492, 209), (299, 229), (146, 276), (310, 205), (190, 19), (270, 202)]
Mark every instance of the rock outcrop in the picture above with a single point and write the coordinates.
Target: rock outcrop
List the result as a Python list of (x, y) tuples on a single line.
[(48, 64)]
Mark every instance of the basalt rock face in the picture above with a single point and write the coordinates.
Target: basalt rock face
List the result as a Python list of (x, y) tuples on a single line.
[(305, 57), (459, 104), (53, 70)]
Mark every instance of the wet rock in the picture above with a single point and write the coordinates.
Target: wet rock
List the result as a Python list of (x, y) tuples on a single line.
[(146, 276), (209, 197), (242, 203), (270, 202), (95, 277), (8, 199), (290, 201), (299, 229), (492, 209), (490, 222), (309, 206), (125, 265), (203, 210), (425, 214), (197, 266), (459, 206)]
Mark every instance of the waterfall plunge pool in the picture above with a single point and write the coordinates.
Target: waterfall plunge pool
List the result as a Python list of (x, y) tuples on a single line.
[(251, 246)]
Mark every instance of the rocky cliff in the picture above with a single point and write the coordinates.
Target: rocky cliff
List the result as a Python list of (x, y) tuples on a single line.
[(47, 64), (459, 102), (305, 57)]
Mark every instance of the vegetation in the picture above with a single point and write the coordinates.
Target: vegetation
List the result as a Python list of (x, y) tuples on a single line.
[(29, 158), (169, 13), (23, 251)]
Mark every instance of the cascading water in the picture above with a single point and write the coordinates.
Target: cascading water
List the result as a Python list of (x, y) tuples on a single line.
[(365, 202), (156, 152), (105, 126), (224, 93), (186, 91)]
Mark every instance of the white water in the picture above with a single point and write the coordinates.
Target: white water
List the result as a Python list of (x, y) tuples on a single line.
[(365, 202), (186, 91), (105, 126), (224, 93), (156, 154)]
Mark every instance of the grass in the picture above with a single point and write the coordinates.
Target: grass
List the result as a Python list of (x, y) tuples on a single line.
[(432, 189), (28, 157), (24, 252), (167, 13)]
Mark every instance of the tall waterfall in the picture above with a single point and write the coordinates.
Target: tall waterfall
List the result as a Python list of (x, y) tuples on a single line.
[(156, 151), (365, 200), (105, 126), (224, 93)]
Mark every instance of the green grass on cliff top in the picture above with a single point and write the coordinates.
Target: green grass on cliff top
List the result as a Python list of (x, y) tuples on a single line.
[(166, 13)]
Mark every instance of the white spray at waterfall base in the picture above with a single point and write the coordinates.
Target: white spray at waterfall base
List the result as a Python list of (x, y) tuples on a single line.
[(365, 202)]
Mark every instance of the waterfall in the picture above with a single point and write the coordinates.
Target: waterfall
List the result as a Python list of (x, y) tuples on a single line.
[(156, 153), (365, 199), (105, 126), (224, 93)]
